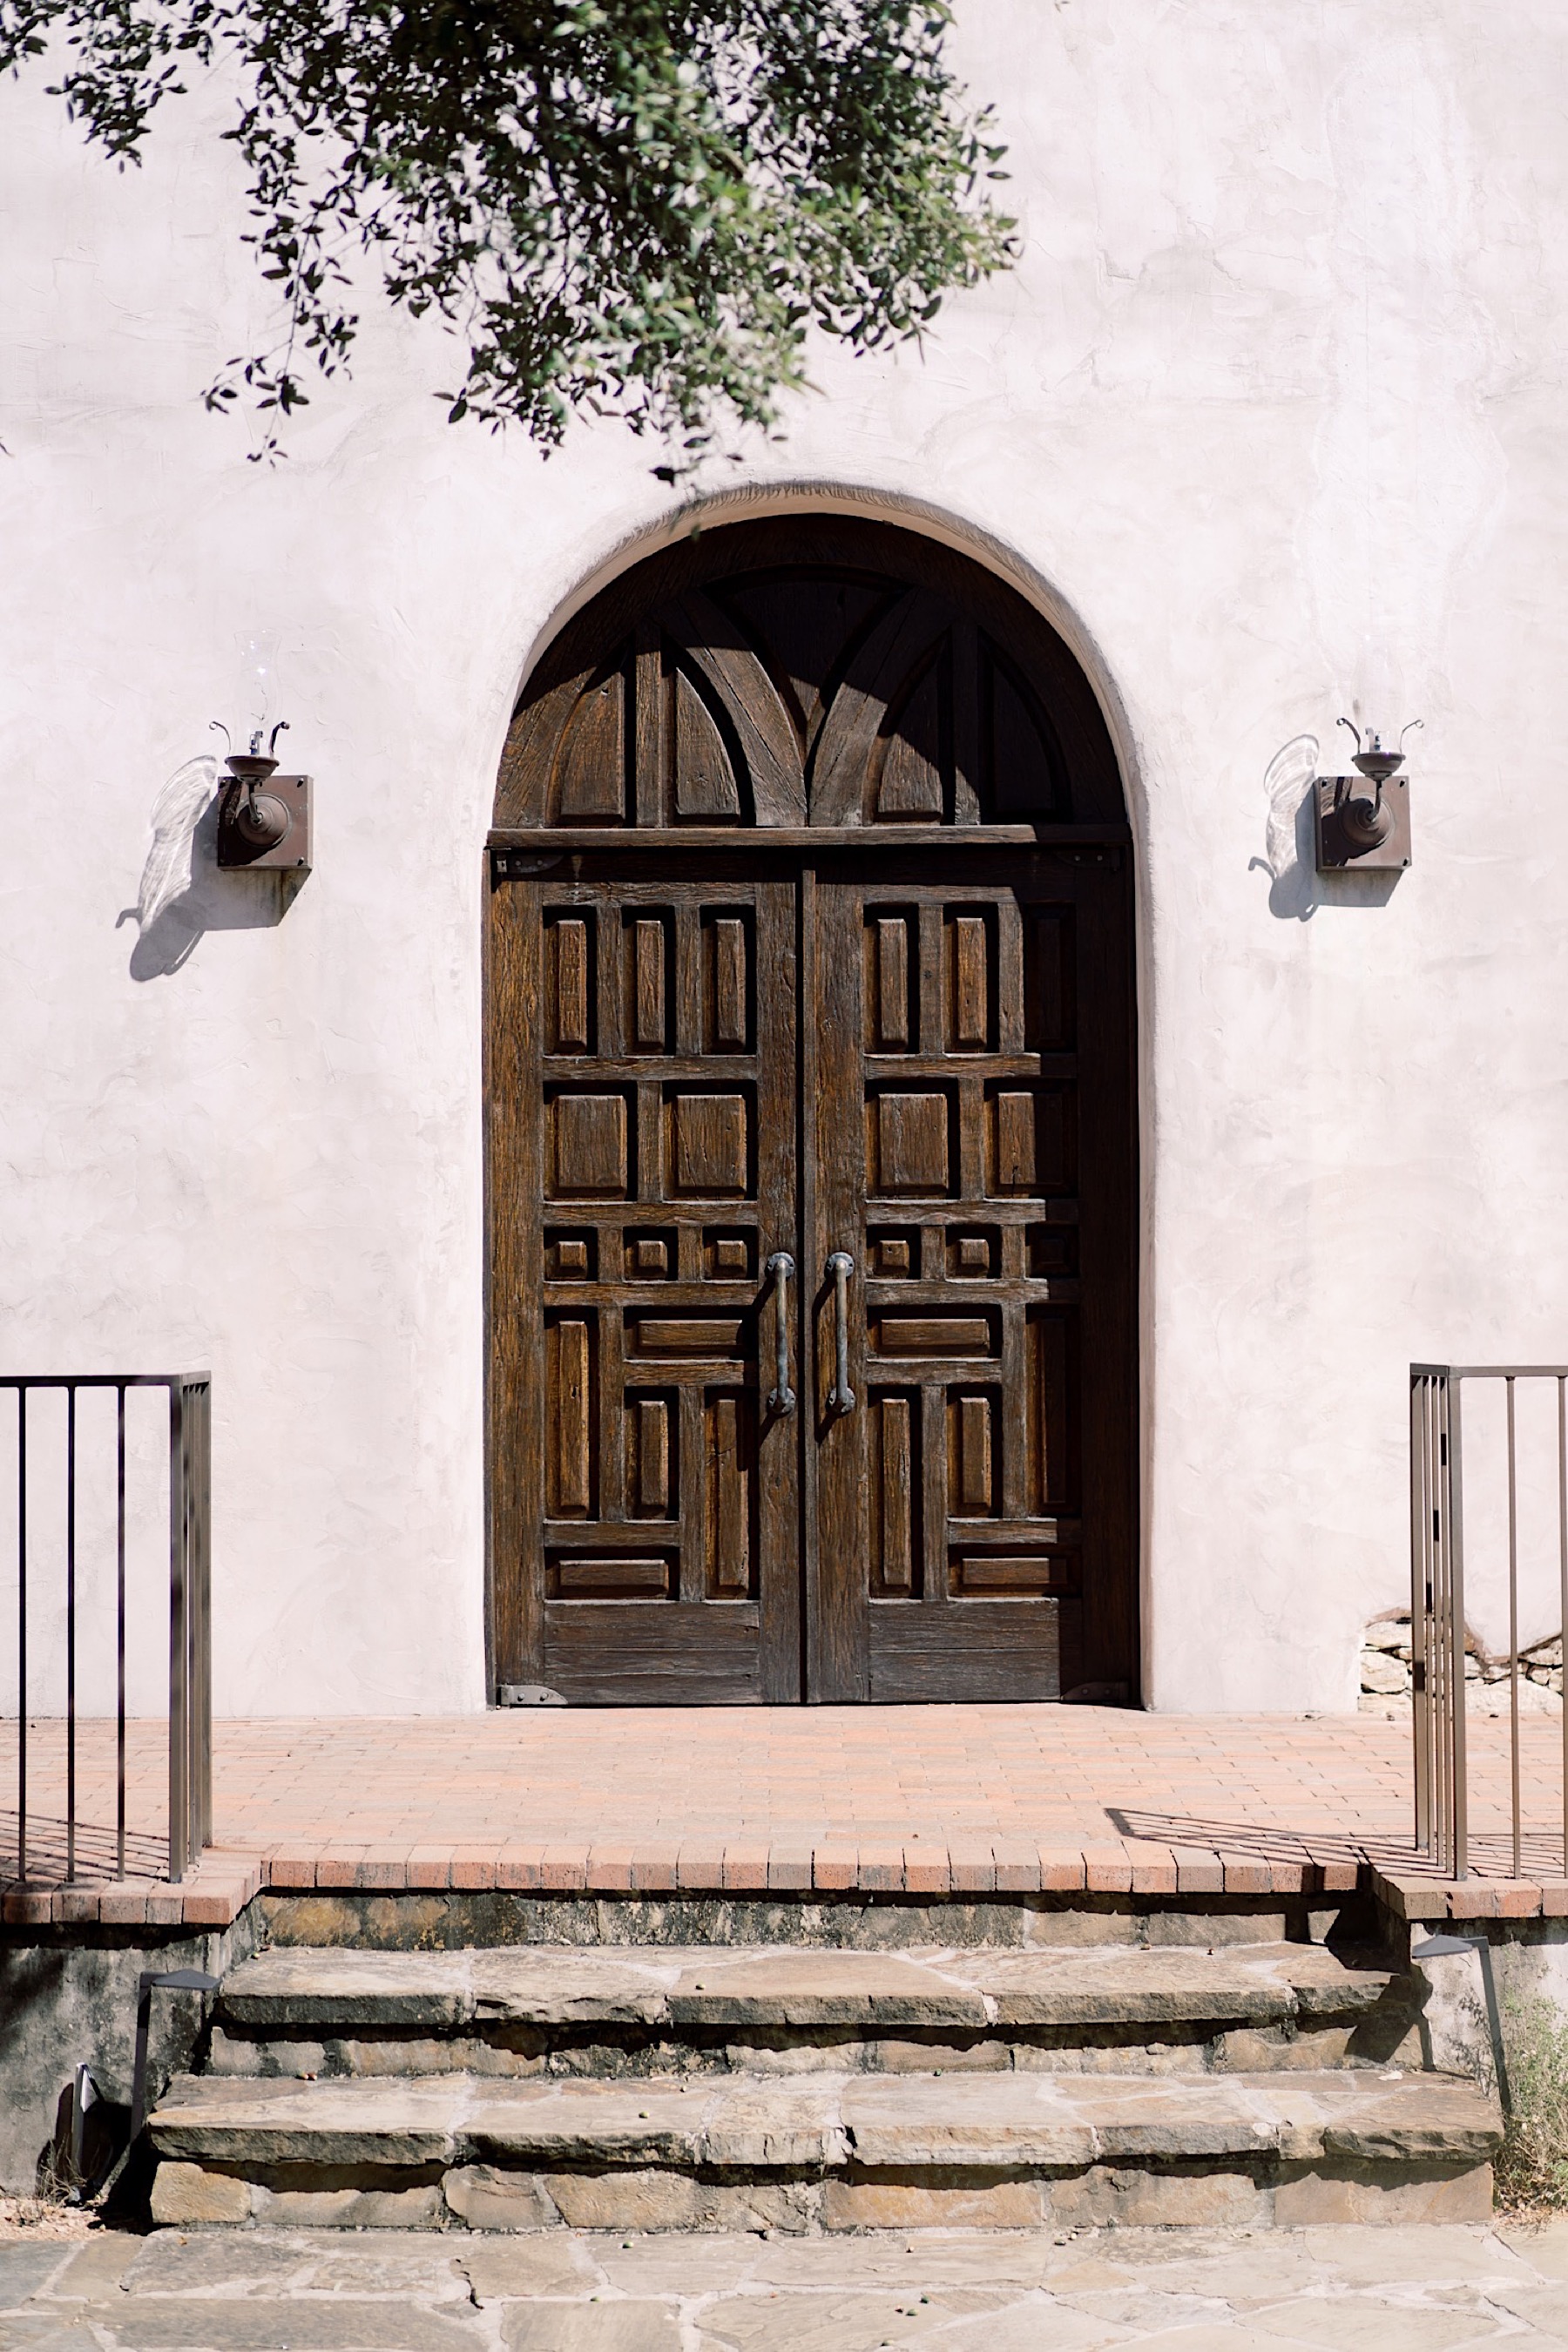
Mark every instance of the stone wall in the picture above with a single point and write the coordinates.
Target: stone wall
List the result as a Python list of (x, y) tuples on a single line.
[(1386, 1664), (67, 1997)]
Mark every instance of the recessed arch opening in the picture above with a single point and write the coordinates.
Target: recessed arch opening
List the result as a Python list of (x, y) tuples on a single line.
[(811, 941)]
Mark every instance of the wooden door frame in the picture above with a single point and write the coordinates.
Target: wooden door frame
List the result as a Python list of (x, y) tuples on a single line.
[(521, 837)]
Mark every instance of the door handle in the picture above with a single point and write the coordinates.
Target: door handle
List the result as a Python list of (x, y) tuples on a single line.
[(781, 1265), (841, 1396)]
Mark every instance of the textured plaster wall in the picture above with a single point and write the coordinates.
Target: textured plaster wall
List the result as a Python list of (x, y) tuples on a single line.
[(1278, 386)]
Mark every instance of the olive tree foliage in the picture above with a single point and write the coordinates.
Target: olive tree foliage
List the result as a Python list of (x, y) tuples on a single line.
[(634, 206)]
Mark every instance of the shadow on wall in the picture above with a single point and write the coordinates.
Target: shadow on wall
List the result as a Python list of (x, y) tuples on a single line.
[(1296, 888), (184, 891)]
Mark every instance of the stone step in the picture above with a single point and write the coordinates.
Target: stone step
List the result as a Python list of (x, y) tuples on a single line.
[(739, 1990), (825, 2150)]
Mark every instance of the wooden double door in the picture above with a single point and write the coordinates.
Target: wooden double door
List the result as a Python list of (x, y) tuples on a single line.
[(812, 1273)]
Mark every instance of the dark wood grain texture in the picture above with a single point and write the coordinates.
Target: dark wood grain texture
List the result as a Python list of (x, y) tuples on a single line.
[(660, 1172), (807, 672), (811, 929), (515, 1269), (976, 1135)]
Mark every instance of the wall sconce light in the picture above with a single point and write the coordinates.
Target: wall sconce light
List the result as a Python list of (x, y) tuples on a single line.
[(1363, 821), (267, 829)]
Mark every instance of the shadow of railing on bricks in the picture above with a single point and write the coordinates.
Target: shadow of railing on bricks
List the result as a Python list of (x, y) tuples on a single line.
[(1258, 1843), (59, 1851), (1490, 1855)]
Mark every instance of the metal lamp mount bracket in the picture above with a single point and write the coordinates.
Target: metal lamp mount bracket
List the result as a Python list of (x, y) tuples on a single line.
[(1363, 829), (269, 828)]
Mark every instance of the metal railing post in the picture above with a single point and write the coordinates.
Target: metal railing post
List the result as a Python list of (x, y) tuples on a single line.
[(1420, 1605), (22, 1635), (1442, 1619), (190, 1611), (120, 1629), (1438, 1635), (179, 1636), (202, 1670), (1513, 1622), (70, 1636), (1563, 1586), (1455, 1539)]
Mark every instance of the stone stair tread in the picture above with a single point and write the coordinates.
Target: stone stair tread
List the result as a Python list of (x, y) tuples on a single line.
[(1323, 1984), (828, 2120), (299, 1988), (303, 1985), (553, 1985), (570, 1985), (1301, 2115), (797, 1986), (1172, 1985)]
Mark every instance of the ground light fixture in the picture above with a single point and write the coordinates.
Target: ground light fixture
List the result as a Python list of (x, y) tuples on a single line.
[(1363, 821), (1441, 1947)]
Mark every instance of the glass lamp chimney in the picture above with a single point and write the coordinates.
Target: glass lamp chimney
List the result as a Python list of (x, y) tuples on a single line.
[(259, 688)]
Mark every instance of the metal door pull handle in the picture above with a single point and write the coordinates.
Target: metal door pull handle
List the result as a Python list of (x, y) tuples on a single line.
[(781, 1267), (841, 1396)]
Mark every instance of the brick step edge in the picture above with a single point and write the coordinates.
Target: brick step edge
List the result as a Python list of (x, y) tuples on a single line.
[(982, 1865), (221, 1888)]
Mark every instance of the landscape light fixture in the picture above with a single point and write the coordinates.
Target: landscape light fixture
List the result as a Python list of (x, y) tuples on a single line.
[(267, 829), (1362, 827)]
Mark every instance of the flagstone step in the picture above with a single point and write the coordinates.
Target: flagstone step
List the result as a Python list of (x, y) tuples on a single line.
[(298, 1991), (826, 2150)]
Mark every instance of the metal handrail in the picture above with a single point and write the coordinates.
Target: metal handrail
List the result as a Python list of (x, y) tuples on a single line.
[(190, 1606), (1438, 1628)]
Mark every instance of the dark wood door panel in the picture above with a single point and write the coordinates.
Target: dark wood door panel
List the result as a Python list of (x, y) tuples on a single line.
[(647, 1510), (961, 1037), (973, 1651), (969, 1051), (602, 1653)]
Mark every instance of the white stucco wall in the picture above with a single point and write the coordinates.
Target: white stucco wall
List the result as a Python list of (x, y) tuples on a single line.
[(1279, 384)]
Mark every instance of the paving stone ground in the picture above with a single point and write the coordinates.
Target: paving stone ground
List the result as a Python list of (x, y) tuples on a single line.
[(1328, 2290)]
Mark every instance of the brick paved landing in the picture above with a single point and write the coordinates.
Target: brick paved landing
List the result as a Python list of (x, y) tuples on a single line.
[(902, 1799)]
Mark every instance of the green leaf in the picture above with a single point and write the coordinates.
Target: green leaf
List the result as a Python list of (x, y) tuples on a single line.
[(616, 206)]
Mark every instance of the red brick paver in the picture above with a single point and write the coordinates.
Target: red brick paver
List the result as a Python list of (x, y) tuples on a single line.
[(912, 1800)]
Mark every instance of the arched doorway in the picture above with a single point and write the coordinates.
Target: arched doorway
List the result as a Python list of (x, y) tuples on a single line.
[(812, 1141)]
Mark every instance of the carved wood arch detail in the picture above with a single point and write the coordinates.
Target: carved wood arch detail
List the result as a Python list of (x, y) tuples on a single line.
[(813, 671)]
